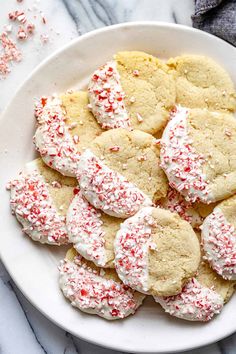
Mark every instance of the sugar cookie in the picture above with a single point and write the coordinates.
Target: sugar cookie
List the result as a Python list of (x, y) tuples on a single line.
[(133, 91), (95, 290), (39, 202), (156, 252), (202, 83)]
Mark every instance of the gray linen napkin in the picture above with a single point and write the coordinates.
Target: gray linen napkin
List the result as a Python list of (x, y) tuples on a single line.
[(217, 17)]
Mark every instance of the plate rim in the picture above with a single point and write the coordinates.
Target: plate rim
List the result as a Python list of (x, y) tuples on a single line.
[(48, 59), (57, 52)]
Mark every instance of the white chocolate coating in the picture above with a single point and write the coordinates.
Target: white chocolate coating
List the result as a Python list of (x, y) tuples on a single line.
[(33, 207), (108, 190), (107, 97), (131, 250), (84, 227), (219, 243), (195, 303), (181, 162), (52, 138), (91, 292)]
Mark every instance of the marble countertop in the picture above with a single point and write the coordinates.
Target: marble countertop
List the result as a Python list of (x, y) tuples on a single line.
[(23, 329)]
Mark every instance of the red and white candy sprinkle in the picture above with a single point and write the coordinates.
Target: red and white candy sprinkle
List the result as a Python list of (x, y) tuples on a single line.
[(91, 292), (17, 15), (181, 162), (85, 231), (219, 243), (22, 28), (114, 148), (33, 206), (52, 138), (195, 303), (107, 98), (132, 244), (176, 203), (10, 54), (108, 190), (21, 34)]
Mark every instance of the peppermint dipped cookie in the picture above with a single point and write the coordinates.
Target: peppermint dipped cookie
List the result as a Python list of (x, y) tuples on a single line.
[(39, 199), (120, 172), (201, 298), (156, 252), (91, 231), (219, 238), (196, 154), (65, 127), (202, 83), (95, 290), (132, 91)]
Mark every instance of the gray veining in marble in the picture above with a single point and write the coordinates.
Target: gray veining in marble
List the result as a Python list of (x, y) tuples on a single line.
[(23, 329)]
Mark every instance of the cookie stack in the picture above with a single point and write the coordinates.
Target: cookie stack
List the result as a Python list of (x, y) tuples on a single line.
[(138, 174)]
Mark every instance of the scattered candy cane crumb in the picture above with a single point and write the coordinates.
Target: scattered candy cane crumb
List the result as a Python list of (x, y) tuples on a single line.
[(76, 139), (10, 53), (140, 118), (20, 27), (44, 38), (136, 73), (114, 148)]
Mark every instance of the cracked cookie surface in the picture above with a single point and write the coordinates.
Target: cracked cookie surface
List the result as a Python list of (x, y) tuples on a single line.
[(80, 120), (202, 83)]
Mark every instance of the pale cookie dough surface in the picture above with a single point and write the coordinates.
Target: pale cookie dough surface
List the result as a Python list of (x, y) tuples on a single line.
[(95, 290), (197, 154), (138, 90), (176, 203), (204, 209), (202, 83), (91, 231), (80, 120), (146, 79), (210, 279), (156, 252), (61, 188), (66, 126), (214, 136), (39, 199), (219, 238), (135, 156)]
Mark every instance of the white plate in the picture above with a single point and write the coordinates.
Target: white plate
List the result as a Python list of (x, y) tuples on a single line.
[(34, 267)]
